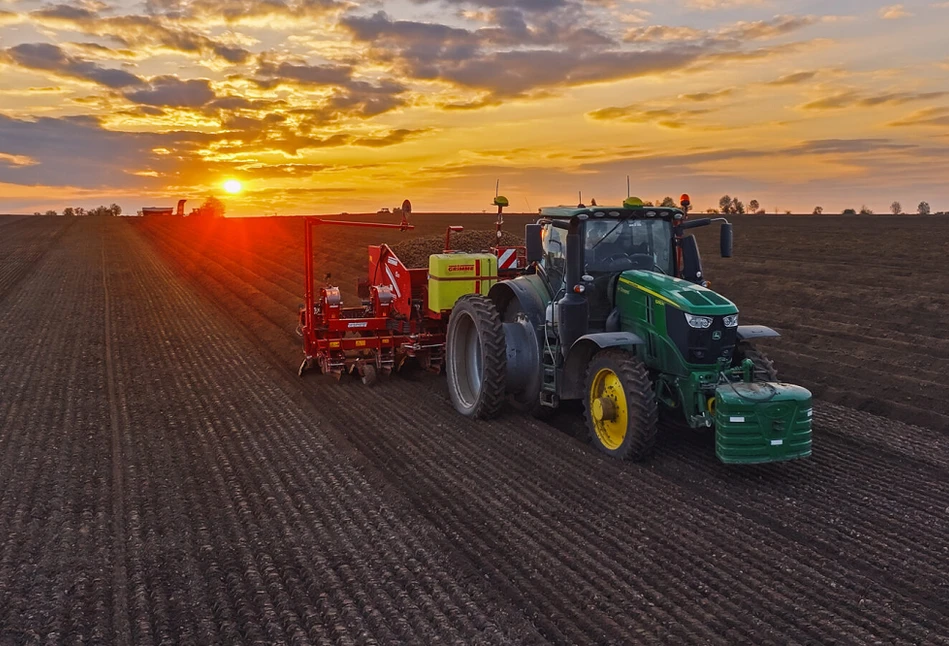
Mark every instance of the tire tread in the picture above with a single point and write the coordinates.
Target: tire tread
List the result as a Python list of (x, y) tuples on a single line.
[(640, 398)]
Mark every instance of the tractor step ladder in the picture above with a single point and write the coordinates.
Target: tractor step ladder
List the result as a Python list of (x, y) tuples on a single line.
[(548, 384)]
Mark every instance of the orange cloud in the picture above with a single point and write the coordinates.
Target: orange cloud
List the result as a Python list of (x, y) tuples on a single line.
[(894, 12)]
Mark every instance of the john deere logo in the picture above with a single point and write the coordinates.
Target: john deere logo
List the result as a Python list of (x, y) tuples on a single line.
[(716, 336)]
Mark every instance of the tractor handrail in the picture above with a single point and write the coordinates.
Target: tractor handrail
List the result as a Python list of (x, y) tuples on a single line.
[(308, 223)]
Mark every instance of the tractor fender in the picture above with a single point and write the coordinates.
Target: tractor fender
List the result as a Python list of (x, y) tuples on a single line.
[(520, 303), (748, 332), (527, 291), (581, 353)]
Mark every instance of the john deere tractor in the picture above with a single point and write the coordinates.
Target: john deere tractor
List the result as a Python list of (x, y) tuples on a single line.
[(615, 311)]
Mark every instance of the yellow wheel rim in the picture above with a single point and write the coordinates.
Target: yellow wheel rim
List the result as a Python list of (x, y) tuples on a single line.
[(608, 410)]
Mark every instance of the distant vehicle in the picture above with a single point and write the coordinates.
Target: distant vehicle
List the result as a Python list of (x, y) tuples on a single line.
[(384, 211), (157, 210), (161, 210)]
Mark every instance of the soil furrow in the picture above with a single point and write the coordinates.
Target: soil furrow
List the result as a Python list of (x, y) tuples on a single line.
[(267, 494)]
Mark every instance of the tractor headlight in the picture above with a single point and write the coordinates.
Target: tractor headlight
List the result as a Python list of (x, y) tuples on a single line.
[(731, 320), (698, 322)]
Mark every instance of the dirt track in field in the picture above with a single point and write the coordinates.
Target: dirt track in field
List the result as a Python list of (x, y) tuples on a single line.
[(175, 482)]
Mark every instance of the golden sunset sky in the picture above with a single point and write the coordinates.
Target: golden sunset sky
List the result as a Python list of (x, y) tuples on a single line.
[(329, 105)]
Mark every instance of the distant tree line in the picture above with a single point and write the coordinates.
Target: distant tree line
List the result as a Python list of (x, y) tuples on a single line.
[(729, 205), (212, 207), (70, 211)]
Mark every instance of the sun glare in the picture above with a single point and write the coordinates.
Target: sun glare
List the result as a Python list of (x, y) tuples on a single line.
[(232, 186)]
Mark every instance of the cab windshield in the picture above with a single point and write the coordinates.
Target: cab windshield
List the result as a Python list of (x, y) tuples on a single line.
[(619, 245)]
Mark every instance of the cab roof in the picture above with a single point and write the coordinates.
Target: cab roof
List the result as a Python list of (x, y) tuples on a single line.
[(618, 212)]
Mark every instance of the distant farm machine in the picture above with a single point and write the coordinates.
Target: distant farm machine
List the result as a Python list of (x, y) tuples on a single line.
[(607, 305), (162, 210)]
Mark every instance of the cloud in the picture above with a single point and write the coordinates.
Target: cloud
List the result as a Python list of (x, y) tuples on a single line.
[(78, 151), (51, 58), (172, 92), (894, 12), (765, 29), (714, 59), (523, 5), (925, 117), (101, 52), (738, 32), (279, 171), (707, 96), (858, 146), (852, 99), (364, 100), (793, 79), (657, 33), (427, 51), (390, 139), (137, 30), (349, 96), (272, 74), (666, 117), (708, 169), (16, 160), (9, 18), (241, 11), (711, 5), (66, 13)]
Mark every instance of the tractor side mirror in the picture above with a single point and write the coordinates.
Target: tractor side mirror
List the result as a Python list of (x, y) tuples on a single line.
[(532, 239), (691, 261), (727, 240)]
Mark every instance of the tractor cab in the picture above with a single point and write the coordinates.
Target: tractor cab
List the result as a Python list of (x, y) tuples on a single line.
[(612, 240)]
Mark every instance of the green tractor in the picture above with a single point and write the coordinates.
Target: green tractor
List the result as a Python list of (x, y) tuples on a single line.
[(615, 311)]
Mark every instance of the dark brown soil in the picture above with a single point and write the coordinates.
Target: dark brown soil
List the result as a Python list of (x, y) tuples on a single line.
[(861, 303), (166, 478)]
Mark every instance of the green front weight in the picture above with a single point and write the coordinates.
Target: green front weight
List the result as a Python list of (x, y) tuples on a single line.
[(762, 422)]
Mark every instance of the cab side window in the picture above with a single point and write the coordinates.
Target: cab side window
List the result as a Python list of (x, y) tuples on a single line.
[(554, 260)]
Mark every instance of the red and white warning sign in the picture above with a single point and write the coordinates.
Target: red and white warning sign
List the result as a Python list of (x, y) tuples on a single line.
[(507, 258)]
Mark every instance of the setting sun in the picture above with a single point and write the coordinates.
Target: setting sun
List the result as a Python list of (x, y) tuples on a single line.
[(232, 186)]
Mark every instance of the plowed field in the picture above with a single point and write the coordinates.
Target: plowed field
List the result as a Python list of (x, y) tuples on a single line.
[(166, 478)]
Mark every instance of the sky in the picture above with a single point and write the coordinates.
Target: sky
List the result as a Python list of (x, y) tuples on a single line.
[(330, 105)]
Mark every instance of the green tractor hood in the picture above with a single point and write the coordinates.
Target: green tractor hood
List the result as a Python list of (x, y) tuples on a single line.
[(678, 293)]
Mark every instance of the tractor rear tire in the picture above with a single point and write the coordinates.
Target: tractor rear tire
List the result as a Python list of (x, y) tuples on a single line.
[(764, 367), (620, 406), (476, 358)]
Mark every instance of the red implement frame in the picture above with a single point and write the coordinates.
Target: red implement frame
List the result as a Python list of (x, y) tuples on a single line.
[(379, 335)]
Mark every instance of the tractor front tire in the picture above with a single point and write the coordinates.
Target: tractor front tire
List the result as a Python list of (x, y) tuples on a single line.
[(620, 406), (764, 367), (476, 358)]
